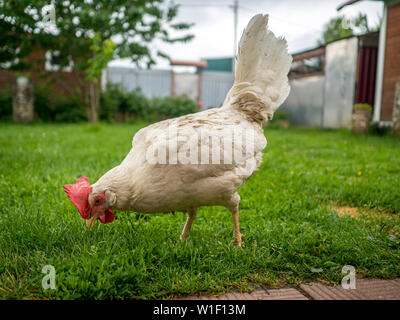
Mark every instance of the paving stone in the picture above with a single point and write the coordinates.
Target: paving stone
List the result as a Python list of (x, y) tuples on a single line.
[(285, 294), (273, 294), (366, 289)]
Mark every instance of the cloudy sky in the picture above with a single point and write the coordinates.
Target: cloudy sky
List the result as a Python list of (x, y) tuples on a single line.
[(299, 21)]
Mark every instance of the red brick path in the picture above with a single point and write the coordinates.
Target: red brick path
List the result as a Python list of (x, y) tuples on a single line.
[(373, 289)]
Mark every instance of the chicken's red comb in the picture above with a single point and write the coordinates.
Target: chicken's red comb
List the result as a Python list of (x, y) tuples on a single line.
[(78, 194)]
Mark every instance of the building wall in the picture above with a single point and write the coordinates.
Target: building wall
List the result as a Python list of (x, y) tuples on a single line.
[(391, 73), (219, 64), (215, 86), (340, 79), (188, 84), (157, 83), (306, 101), (63, 82), (327, 100), (153, 83)]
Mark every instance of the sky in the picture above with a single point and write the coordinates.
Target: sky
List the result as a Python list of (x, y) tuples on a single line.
[(299, 21)]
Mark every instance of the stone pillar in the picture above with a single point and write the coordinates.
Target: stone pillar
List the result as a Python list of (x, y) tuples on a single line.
[(396, 112), (360, 121), (23, 101)]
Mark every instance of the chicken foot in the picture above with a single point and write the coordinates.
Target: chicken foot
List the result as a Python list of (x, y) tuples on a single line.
[(189, 221)]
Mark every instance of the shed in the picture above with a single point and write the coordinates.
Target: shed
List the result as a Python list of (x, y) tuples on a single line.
[(388, 65)]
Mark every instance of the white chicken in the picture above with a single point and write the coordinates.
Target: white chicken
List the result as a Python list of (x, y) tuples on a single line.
[(188, 162)]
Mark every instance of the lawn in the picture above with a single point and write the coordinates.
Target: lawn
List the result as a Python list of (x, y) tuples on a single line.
[(290, 219)]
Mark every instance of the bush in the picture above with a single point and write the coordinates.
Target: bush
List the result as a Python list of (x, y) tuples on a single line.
[(281, 115), (115, 100), (5, 104), (138, 104), (70, 109), (45, 110), (376, 129), (171, 107), (364, 106), (278, 118), (51, 108), (110, 99)]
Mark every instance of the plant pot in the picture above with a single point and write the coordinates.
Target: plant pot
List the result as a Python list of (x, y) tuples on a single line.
[(363, 112), (360, 121)]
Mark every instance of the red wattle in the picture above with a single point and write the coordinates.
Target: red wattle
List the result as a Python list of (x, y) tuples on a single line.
[(107, 216)]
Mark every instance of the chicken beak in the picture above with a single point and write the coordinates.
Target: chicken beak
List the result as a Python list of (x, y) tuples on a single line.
[(90, 222)]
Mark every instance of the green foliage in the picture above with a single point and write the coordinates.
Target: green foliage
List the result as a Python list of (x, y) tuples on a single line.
[(364, 106), (170, 107), (70, 109), (115, 99), (102, 52), (5, 104), (278, 117), (137, 23), (337, 28), (281, 115), (45, 109), (136, 103), (81, 31), (290, 228), (376, 129), (51, 108), (341, 27), (110, 99)]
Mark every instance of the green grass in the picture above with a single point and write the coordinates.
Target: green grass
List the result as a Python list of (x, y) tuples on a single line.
[(290, 228)]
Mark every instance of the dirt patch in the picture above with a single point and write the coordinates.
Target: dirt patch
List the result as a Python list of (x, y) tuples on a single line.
[(356, 212), (345, 210)]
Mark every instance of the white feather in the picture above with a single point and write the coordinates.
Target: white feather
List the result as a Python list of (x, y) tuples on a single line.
[(261, 69)]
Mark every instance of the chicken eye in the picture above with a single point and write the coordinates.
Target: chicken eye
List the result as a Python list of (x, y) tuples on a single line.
[(98, 201)]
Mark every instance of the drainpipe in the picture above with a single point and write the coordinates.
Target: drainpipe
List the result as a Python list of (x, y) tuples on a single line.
[(380, 67)]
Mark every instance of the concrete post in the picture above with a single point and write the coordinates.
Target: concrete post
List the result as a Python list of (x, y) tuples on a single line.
[(23, 101)]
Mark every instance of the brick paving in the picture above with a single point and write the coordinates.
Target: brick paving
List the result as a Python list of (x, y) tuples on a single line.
[(366, 289)]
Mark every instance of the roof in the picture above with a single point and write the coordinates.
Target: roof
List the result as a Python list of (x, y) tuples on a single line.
[(350, 2), (199, 64), (219, 64), (308, 53), (347, 3), (317, 51)]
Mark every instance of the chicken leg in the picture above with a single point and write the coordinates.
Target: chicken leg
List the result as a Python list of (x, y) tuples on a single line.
[(237, 236), (189, 221)]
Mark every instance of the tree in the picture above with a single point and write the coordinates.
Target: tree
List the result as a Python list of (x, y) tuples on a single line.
[(102, 53), (341, 27), (82, 31)]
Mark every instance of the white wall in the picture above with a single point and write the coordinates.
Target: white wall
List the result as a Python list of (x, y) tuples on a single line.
[(188, 84), (215, 86), (340, 79), (327, 101), (153, 83), (306, 101)]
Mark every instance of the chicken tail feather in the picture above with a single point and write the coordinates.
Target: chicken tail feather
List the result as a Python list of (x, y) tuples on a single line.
[(261, 82)]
